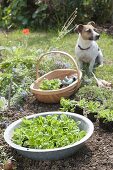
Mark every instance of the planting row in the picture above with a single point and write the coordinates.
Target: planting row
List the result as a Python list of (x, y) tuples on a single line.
[(92, 109)]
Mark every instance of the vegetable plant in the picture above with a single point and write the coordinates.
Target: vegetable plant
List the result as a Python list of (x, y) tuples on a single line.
[(67, 105), (70, 105), (106, 114), (92, 106), (52, 84), (82, 103), (52, 131)]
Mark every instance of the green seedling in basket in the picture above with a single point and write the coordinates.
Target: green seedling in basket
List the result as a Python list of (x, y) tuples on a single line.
[(53, 84)]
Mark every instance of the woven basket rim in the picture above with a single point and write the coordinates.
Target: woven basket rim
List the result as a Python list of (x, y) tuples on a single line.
[(53, 91), (53, 96)]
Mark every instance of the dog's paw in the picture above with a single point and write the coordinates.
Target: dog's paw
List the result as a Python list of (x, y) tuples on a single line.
[(87, 81), (101, 65)]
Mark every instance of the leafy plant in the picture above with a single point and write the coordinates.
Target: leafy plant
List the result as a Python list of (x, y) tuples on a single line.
[(92, 106), (70, 105), (3, 103), (94, 93), (108, 104), (106, 114), (82, 103), (38, 13), (52, 131), (52, 84), (67, 105), (19, 65)]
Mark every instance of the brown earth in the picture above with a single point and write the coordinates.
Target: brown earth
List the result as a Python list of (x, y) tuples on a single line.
[(97, 153)]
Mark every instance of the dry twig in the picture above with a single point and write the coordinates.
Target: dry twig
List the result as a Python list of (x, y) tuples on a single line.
[(102, 83), (65, 29)]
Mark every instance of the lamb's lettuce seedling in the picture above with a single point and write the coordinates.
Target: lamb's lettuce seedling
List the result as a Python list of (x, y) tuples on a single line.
[(52, 131), (82, 103), (92, 106), (53, 84), (106, 114), (67, 105)]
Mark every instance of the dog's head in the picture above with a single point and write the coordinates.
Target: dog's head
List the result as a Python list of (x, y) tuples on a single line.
[(88, 32)]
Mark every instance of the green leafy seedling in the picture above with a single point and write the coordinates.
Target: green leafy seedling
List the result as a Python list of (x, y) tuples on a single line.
[(92, 106), (67, 105), (106, 114), (52, 131), (53, 84)]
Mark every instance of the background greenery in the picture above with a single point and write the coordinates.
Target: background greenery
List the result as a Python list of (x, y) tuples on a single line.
[(52, 13), (19, 54)]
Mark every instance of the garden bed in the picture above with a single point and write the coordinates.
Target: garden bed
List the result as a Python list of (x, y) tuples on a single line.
[(96, 154)]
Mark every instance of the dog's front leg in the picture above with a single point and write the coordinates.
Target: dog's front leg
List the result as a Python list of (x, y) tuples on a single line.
[(80, 64), (100, 56), (91, 66)]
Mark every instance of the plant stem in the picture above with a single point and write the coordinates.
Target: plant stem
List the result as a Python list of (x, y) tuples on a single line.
[(9, 96)]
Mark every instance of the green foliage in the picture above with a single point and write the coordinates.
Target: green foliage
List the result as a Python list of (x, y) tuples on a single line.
[(100, 9), (3, 104), (106, 114), (82, 103), (70, 105), (52, 131), (93, 106), (5, 17), (67, 105), (19, 64), (108, 104), (53, 84), (39, 13), (94, 93)]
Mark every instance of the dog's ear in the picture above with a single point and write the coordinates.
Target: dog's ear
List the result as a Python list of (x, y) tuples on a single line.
[(79, 28), (91, 23)]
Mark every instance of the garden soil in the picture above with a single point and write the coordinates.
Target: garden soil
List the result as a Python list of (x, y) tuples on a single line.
[(96, 154)]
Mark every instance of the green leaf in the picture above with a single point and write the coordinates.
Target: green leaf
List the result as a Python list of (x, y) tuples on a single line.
[(47, 132)]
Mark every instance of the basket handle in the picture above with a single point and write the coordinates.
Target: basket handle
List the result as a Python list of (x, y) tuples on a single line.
[(61, 52)]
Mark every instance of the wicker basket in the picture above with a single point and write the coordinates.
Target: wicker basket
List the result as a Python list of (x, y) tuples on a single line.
[(53, 96)]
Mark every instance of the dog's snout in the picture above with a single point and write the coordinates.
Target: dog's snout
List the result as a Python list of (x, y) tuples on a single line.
[(97, 36)]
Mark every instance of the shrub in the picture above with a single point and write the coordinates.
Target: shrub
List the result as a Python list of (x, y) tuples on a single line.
[(52, 13)]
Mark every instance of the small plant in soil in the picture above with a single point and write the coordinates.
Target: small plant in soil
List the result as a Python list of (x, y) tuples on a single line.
[(72, 105), (92, 108), (53, 84), (108, 104), (52, 131), (67, 105), (79, 108), (94, 93), (105, 117)]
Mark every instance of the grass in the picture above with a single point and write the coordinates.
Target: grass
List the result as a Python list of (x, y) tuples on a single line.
[(24, 50)]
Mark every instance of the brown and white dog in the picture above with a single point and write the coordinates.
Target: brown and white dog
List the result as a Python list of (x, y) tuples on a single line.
[(87, 50)]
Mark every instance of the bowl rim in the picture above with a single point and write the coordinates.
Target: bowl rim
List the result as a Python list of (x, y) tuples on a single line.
[(18, 147)]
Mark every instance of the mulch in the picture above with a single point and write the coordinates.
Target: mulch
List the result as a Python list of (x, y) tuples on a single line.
[(96, 154)]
